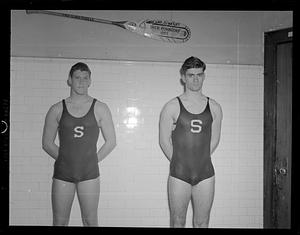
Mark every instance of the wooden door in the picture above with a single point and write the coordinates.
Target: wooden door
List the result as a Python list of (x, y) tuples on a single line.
[(278, 129)]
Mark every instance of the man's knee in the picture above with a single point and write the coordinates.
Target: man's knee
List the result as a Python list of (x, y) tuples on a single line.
[(60, 221), (178, 221), (90, 220), (201, 222)]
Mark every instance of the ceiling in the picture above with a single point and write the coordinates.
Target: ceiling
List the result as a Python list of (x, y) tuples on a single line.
[(220, 37)]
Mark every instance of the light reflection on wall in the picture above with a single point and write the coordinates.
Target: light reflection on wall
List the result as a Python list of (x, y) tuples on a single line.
[(131, 117)]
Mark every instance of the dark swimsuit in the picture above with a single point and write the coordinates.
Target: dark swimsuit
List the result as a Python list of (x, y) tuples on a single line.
[(77, 160), (191, 161)]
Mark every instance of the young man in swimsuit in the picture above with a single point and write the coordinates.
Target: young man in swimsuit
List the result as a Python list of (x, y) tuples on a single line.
[(189, 132), (77, 120)]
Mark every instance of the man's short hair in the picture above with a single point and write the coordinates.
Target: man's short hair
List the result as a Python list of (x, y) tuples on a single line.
[(192, 62), (79, 66)]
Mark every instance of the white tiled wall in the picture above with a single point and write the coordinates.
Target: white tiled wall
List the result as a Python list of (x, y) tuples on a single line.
[(134, 176)]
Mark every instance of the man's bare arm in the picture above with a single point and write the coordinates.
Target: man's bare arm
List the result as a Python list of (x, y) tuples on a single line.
[(107, 129), (216, 125), (50, 131), (166, 122)]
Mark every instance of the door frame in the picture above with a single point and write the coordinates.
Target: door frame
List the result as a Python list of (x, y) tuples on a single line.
[(272, 39)]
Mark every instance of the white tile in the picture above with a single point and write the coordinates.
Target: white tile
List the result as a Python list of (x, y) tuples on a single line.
[(134, 175)]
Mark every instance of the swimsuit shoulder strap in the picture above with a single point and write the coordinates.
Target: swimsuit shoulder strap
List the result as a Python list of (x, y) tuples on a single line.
[(94, 101), (179, 100), (92, 106), (64, 104)]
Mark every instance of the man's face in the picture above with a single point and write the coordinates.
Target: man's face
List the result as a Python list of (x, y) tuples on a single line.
[(193, 79), (80, 81)]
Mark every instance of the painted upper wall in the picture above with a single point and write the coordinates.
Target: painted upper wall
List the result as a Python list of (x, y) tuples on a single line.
[(224, 37)]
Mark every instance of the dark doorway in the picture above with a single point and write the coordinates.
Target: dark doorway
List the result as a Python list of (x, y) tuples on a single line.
[(278, 128)]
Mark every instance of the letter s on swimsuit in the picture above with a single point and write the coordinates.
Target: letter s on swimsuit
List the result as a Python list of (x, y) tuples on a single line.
[(79, 131), (194, 127)]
